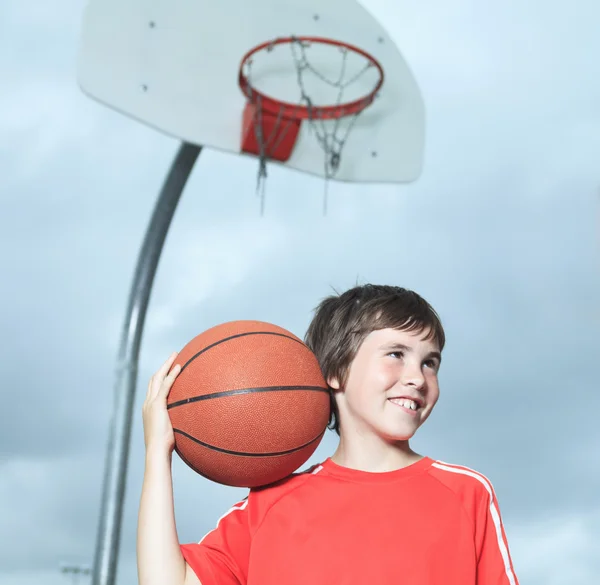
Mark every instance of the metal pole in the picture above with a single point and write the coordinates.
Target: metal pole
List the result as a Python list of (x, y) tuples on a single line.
[(109, 530)]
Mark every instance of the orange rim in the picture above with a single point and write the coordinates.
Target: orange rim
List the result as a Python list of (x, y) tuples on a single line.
[(298, 111)]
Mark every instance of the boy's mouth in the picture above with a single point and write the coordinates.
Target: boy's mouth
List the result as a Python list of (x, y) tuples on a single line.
[(407, 403)]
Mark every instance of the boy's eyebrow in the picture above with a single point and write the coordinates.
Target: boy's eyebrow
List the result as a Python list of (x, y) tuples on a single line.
[(400, 346)]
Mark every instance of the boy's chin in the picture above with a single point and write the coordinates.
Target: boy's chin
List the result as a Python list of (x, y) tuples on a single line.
[(398, 435)]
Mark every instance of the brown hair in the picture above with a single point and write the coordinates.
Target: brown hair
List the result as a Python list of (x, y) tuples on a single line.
[(341, 323)]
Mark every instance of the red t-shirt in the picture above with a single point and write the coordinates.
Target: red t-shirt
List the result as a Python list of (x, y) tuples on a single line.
[(430, 523)]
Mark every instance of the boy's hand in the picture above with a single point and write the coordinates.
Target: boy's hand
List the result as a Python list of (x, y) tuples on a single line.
[(158, 430)]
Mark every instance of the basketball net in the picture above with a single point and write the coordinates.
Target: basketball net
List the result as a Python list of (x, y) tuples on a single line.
[(330, 137)]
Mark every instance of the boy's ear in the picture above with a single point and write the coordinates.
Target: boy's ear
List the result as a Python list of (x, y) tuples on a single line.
[(334, 383)]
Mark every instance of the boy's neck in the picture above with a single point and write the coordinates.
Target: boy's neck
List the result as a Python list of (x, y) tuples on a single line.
[(374, 455)]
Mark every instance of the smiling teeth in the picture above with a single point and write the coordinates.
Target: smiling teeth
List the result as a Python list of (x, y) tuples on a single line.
[(406, 403)]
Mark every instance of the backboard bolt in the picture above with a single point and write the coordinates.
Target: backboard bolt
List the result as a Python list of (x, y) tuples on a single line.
[(374, 154), (151, 24), (316, 17), (380, 39), (144, 87)]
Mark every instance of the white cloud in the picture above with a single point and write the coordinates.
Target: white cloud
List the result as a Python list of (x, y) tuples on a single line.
[(559, 550), (47, 504), (203, 264)]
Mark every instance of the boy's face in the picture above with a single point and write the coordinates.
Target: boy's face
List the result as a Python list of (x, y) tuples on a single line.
[(392, 385)]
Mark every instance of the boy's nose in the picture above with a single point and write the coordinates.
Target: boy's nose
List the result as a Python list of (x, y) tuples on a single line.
[(413, 376)]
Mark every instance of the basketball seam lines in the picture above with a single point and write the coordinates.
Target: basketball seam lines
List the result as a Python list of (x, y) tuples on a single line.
[(189, 464), (226, 393), (235, 337), (244, 454)]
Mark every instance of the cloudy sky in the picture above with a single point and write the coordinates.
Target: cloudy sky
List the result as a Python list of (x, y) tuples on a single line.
[(501, 234)]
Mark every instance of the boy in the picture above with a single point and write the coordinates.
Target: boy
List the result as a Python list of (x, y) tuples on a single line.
[(375, 512)]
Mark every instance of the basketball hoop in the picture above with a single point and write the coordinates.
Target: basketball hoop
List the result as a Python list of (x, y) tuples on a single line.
[(270, 126)]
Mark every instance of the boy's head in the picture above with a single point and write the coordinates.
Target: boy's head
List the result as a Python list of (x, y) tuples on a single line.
[(378, 346)]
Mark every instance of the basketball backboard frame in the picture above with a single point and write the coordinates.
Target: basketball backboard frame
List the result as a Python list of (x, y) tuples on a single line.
[(173, 66)]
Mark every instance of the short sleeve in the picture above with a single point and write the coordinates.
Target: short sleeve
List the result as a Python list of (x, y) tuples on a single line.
[(221, 557), (494, 563)]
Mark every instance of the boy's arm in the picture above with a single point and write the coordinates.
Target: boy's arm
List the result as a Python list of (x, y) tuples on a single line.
[(159, 557)]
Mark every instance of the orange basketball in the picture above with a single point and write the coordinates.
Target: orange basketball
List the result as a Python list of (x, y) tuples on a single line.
[(250, 404)]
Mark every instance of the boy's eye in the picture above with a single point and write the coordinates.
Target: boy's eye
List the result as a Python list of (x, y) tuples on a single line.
[(432, 364)]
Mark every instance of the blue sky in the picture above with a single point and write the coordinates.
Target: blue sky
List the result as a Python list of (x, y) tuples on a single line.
[(500, 234)]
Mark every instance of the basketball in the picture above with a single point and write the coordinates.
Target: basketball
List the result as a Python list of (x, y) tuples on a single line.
[(250, 405)]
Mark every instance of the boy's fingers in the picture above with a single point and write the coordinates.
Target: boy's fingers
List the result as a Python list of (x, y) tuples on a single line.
[(158, 379), (162, 372), (168, 382)]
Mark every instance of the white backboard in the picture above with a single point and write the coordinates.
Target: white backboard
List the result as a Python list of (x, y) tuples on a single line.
[(173, 64)]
